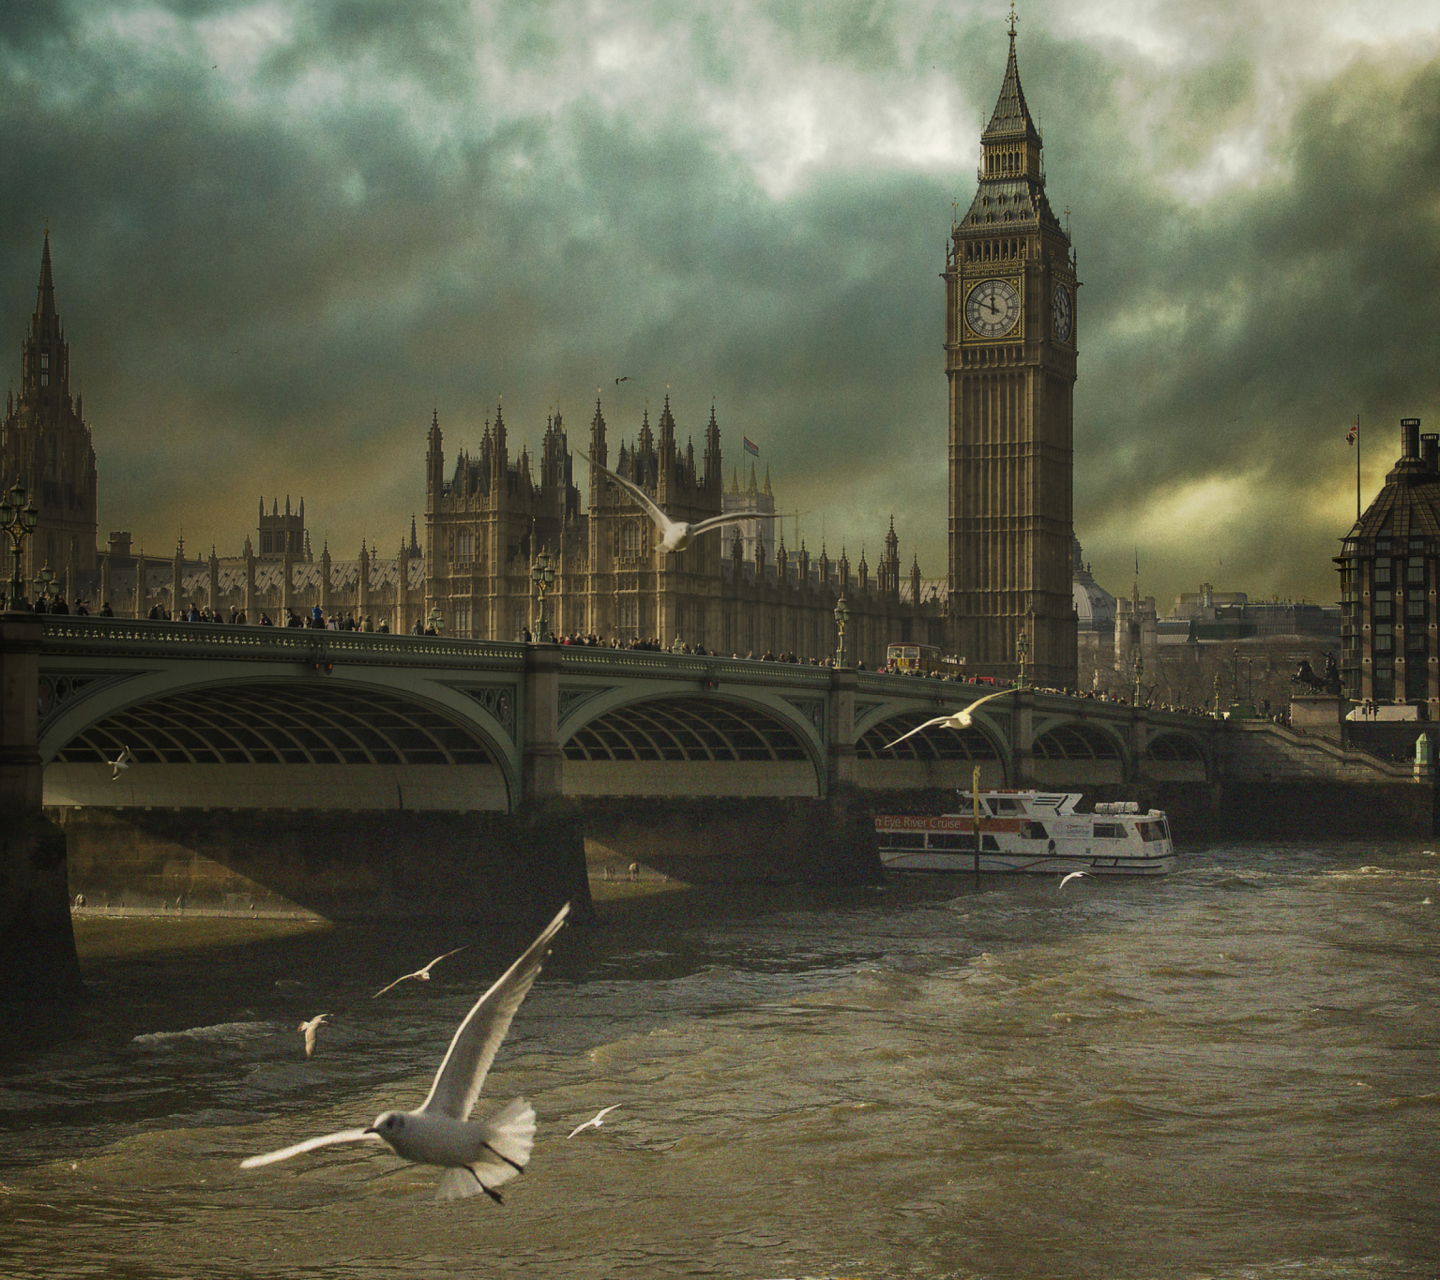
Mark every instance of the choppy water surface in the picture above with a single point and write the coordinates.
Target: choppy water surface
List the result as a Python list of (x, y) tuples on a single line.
[(1231, 1072)]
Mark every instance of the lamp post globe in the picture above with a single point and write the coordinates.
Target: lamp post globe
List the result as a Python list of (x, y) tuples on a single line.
[(18, 519)]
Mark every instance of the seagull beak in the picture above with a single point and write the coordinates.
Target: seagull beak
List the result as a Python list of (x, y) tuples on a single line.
[(372, 1129)]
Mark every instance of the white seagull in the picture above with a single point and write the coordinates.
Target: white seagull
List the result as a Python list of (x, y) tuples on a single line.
[(121, 763), (597, 1121), (421, 975), (1074, 875), (308, 1030), (479, 1156), (675, 535), (960, 720)]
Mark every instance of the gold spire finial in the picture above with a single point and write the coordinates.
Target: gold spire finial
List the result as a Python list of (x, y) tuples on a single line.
[(1012, 19)]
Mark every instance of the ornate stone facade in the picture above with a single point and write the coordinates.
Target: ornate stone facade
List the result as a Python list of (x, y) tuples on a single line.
[(1010, 355), (488, 519)]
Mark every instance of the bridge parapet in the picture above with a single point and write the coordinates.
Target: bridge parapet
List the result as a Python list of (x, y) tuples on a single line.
[(209, 640)]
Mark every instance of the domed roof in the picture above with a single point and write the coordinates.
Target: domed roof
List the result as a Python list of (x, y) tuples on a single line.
[(1094, 606)]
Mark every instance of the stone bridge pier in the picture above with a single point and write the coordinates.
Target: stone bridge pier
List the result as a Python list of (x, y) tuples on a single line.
[(37, 940)]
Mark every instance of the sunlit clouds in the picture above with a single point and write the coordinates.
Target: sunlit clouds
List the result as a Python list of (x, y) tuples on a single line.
[(284, 235)]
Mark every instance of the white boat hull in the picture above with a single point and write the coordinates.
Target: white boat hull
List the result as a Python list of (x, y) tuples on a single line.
[(945, 863)]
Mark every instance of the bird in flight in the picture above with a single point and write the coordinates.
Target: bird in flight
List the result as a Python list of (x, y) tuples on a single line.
[(479, 1156), (596, 1121), (960, 720), (626, 378), (675, 535), (1074, 875), (308, 1030), (121, 762), (420, 975)]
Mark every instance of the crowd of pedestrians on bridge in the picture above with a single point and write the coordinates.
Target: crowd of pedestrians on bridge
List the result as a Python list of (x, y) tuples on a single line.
[(317, 619)]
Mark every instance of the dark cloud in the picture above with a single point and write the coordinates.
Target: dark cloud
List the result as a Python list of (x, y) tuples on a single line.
[(275, 256)]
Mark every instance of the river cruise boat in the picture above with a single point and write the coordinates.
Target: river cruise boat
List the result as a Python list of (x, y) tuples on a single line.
[(1031, 831)]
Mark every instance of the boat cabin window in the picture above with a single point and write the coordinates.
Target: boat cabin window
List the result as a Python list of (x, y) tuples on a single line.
[(1109, 831), (1151, 830), (1003, 804), (904, 839), (1032, 830), (951, 840)]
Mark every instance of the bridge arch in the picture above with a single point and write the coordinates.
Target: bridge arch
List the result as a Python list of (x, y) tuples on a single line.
[(689, 742), (934, 757), (1070, 752), (248, 739), (1175, 755)]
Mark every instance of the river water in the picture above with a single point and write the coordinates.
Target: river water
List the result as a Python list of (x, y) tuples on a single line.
[(1228, 1072)]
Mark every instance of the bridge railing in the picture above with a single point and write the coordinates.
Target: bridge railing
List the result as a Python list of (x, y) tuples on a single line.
[(300, 644)]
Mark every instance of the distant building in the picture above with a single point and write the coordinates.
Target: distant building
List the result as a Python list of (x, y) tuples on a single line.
[(1389, 574), (46, 444)]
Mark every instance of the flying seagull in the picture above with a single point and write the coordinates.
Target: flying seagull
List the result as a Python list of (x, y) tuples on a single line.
[(675, 535), (960, 720), (308, 1029), (597, 1121), (479, 1156), (626, 378), (421, 975), (1074, 875), (121, 763)]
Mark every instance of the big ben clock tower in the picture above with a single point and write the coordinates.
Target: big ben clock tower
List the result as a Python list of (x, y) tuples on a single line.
[(1010, 317)]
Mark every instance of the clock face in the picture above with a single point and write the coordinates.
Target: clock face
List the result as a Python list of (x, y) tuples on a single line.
[(992, 308), (1060, 312)]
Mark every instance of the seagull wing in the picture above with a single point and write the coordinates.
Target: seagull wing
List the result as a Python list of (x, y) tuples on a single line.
[(310, 1144), (437, 959), (396, 983), (980, 702), (643, 498), (1072, 876), (929, 724), (606, 1112), (579, 1128), (457, 1083), (714, 522)]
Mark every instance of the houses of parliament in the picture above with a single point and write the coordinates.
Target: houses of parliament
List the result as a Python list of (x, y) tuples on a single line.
[(1009, 342)]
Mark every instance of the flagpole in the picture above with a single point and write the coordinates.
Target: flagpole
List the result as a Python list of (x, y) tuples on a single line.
[(1357, 468)]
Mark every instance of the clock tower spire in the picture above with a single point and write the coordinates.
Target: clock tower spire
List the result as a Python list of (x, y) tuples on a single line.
[(1010, 359)]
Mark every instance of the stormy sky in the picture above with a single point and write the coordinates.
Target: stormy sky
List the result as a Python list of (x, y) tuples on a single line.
[(284, 234)]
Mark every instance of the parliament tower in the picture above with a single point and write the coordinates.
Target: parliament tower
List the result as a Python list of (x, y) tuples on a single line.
[(45, 442), (1010, 298)]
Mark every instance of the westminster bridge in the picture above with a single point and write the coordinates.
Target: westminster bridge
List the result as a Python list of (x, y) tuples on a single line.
[(340, 772)]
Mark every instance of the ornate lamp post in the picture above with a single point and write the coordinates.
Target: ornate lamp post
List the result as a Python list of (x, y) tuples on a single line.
[(18, 518), (1022, 652), (46, 579), (543, 574), (1139, 671), (436, 619), (842, 616)]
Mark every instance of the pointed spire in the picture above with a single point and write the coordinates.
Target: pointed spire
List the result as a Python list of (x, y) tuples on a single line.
[(1011, 115), (768, 494), (45, 295)]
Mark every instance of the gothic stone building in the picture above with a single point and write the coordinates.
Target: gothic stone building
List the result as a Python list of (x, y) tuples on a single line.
[(1010, 355), (45, 442), (488, 519)]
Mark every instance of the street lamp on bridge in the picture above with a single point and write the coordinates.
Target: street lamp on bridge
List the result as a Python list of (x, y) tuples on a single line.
[(18, 518), (46, 578), (1022, 652), (842, 616), (543, 573)]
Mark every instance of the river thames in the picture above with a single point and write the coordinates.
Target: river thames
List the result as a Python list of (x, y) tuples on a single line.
[(1228, 1072)]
